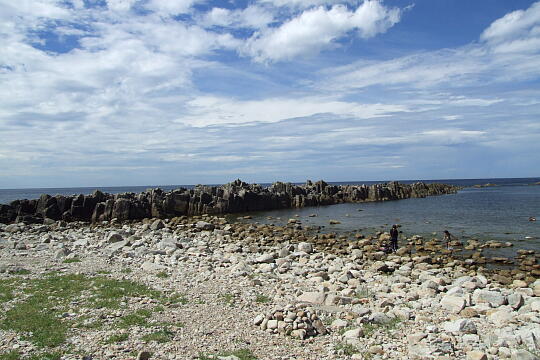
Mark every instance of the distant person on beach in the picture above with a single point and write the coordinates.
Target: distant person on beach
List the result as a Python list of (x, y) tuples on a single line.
[(447, 238), (394, 237)]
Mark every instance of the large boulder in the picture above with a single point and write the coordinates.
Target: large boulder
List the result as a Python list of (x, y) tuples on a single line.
[(493, 298)]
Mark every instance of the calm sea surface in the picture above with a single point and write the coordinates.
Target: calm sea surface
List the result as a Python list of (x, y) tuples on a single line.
[(491, 213)]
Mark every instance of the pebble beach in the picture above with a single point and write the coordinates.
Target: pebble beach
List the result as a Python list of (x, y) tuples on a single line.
[(209, 288)]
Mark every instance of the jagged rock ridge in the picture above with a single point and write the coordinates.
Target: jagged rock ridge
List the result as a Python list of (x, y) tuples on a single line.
[(234, 197)]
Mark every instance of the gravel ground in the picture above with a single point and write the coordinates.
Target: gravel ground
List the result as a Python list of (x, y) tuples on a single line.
[(214, 279)]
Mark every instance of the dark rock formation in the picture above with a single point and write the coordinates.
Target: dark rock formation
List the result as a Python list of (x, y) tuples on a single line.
[(235, 197)]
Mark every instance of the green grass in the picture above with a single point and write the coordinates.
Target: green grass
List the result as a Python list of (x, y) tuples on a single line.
[(369, 329), (161, 336), (138, 318), (263, 299), (46, 356), (72, 260), (347, 349), (37, 315), (242, 354), (20, 272), (117, 338), (176, 299), (126, 271), (6, 290), (37, 320), (12, 355), (158, 309), (227, 298), (108, 293), (162, 275)]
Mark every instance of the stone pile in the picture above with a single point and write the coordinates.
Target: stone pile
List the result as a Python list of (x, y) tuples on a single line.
[(235, 197), (297, 321)]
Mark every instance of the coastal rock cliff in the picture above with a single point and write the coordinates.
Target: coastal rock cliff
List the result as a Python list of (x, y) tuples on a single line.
[(234, 197)]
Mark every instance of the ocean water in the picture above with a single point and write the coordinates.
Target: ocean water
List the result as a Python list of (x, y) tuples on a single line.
[(490, 213), (499, 213)]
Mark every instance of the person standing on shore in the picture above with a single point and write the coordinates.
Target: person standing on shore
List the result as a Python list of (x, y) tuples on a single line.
[(447, 238), (394, 238)]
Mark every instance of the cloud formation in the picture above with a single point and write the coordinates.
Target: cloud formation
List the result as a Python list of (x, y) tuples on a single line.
[(319, 28), (147, 91)]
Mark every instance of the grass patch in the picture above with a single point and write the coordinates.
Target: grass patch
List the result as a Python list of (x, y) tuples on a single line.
[(126, 271), (158, 309), (242, 354), (46, 356), (117, 338), (263, 299), (15, 355), (103, 272), (369, 328), (162, 275), (108, 293), (227, 298), (177, 299), (20, 272), (162, 336), (37, 316), (138, 318), (12, 355), (6, 290), (71, 261), (347, 349), (36, 320)]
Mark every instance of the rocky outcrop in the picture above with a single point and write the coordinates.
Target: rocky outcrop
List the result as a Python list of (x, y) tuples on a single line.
[(234, 197)]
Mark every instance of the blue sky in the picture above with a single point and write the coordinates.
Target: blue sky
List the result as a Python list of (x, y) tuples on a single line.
[(143, 92)]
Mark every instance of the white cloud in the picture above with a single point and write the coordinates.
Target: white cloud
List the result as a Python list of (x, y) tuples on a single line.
[(147, 94), (515, 24), (171, 7), (452, 117), (120, 5), (304, 4), (509, 53), (253, 16), (209, 110), (319, 28), (50, 9)]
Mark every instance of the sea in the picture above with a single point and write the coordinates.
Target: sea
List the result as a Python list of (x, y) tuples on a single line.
[(501, 212)]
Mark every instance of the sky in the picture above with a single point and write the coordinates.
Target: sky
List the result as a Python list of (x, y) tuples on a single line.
[(156, 92)]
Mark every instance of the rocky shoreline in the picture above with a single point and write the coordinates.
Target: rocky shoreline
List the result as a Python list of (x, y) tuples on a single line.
[(234, 197), (250, 291)]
